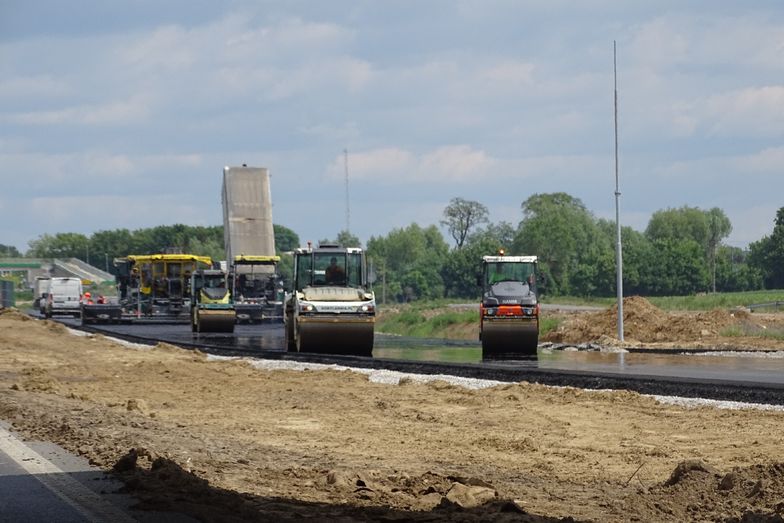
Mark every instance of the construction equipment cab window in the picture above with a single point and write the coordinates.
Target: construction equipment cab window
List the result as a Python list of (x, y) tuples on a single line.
[(503, 271), (331, 268)]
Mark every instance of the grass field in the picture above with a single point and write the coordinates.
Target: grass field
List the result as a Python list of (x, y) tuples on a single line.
[(435, 319)]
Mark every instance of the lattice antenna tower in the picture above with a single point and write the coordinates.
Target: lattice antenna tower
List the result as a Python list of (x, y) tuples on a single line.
[(348, 209)]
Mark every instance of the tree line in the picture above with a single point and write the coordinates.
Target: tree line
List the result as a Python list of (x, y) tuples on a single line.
[(680, 252)]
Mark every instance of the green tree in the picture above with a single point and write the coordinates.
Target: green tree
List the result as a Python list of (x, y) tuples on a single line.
[(210, 247), (9, 251), (677, 268), (706, 228), (108, 245), (285, 239), (557, 228), (767, 254), (719, 227), (460, 216), (463, 267), (501, 233), (684, 222), (61, 245), (409, 262), (346, 239), (733, 272)]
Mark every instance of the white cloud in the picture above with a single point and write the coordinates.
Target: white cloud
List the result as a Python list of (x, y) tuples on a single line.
[(74, 213), (765, 164), (125, 112), (34, 85), (659, 43), (394, 166), (57, 172), (168, 47), (769, 160), (507, 75), (386, 163), (454, 163), (751, 111)]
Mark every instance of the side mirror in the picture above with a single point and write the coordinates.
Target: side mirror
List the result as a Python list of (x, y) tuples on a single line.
[(478, 281), (491, 301)]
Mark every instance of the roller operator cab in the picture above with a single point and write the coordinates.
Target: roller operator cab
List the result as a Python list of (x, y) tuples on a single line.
[(212, 309), (331, 309), (510, 309)]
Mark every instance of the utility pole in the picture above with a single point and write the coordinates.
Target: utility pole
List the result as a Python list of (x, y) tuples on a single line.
[(348, 213), (618, 252)]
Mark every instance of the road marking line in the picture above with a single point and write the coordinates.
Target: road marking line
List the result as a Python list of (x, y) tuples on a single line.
[(82, 499)]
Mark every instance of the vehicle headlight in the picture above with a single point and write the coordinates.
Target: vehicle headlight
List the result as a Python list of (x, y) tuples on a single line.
[(306, 307), (367, 308), (489, 312)]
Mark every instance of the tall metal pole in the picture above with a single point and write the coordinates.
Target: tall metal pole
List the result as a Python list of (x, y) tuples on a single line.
[(348, 213), (618, 253)]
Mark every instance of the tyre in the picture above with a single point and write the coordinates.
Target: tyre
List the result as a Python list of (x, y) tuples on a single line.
[(291, 344)]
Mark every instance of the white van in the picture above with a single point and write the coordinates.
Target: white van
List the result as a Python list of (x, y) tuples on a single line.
[(40, 290), (64, 297)]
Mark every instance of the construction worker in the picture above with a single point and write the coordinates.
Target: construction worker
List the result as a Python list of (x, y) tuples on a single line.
[(87, 298), (334, 273)]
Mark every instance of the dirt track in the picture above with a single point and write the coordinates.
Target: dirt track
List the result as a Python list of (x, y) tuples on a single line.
[(228, 442)]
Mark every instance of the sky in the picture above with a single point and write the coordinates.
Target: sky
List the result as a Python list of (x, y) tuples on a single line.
[(123, 114)]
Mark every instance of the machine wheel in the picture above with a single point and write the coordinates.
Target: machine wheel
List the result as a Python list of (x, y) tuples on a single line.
[(291, 344), (509, 341)]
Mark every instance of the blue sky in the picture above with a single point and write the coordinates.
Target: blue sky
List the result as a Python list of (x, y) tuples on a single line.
[(123, 114)]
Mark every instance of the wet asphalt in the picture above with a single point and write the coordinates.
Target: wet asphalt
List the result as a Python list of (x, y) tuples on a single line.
[(729, 376)]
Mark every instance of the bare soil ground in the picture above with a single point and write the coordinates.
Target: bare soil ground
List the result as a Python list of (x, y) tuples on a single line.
[(224, 441), (647, 326)]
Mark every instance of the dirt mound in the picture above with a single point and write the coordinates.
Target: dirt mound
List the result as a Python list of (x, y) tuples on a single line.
[(645, 323), (36, 379), (11, 313), (696, 491)]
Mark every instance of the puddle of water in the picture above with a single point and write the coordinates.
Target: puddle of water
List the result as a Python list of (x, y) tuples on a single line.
[(741, 367)]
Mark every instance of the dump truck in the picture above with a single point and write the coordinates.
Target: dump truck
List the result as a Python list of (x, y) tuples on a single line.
[(212, 309), (152, 287), (331, 309), (249, 238), (509, 311)]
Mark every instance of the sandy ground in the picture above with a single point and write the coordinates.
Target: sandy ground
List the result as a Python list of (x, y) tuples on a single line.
[(226, 441), (647, 326)]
